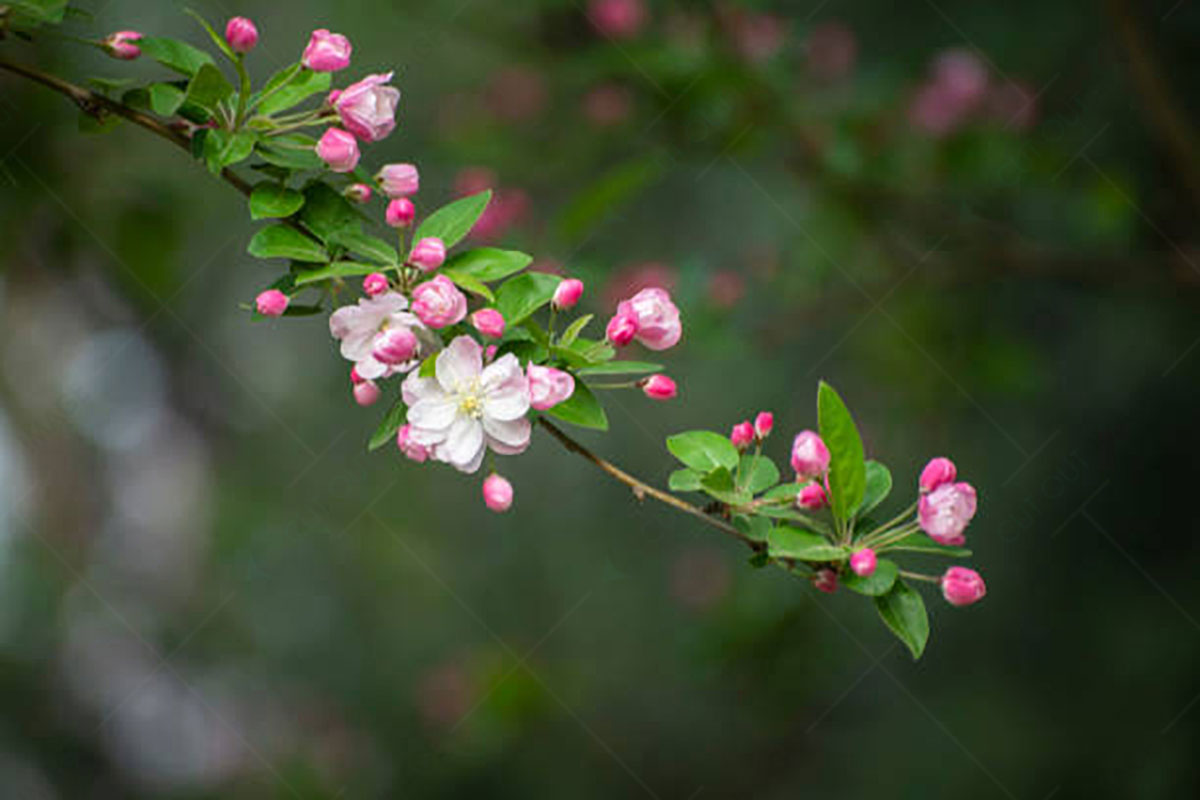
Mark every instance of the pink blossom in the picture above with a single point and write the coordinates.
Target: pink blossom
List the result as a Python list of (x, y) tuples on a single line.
[(621, 330), (1013, 105), (497, 493), (863, 562), (742, 435), (764, 423), (400, 213), (549, 386), (467, 408), (428, 254), (658, 325), (339, 150), (368, 108), (567, 294), (438, 302), (516, 94), (726, 288), (700, 578), (962, 586), (241, 35), (659, 387), (826, 581), (399, 180), (608, 104), (374, 284), (327, 52), (366, 393), (945, 512), (631, 279), (810, 456), (271, 303), (832, 50), (360, 327), (619, 19), (122, 45), (756, 36), (812, 497), (396, 345), (937, 472), (357, 193), (962, 74), (489, 322), (411, 450)]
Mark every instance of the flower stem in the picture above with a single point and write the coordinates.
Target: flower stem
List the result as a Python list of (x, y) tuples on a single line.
[(243, 92), (918, 576)]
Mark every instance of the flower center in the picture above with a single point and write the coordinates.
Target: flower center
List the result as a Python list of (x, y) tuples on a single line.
[(470, 402)]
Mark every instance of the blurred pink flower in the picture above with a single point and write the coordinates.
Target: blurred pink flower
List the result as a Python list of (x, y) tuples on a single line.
[(757, 37), (1013, 105), (444, 694), (699, 578), (608, 104), (630, 280), (515, 94), (618, 19), (954, 90), (832, 50), (726, 288), (508, 209)]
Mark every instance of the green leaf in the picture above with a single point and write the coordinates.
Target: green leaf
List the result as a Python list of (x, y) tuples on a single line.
[(622, 368), (877, 583), (237, 149), (573, 330), (788, 490), (292, 90), (281, 241), (519, 297), (290, 152), (165, 98), (270, 200), (175, 55), (903, 610), (217, 39), (338, 269), (847, 469), (389, 425), (209, 88), (758, 473), (878, 486), (327, 213), (88, 123), (757, 528), (428, 367), (920, 543), (366, 246), (685, 480), (38, 12), (789, 542), (719, 485), (581, 408), (584, 353), (451, 223), (703, 450), (488, 263), (473, 285)]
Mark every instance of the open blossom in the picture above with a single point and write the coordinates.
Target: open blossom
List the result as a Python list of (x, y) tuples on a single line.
[(863, 562), (241, 35), (467, 408), (327, 52), (489, 322), (810, 456), (962, 586), (658, 325), (339, 150), (945, 512), (399, 180), (937, 472), (438, 302), (368, 108), (497, 493), (123, 45), (567, 294), (812, 497), (410, 449), (742, 435), (549, 386), (363, 329)]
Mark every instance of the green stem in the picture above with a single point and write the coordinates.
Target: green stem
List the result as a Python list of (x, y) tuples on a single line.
[(918, 576), (243, 93), (891, 537)]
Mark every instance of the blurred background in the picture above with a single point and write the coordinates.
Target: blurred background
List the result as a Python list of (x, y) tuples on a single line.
[(978, 220)]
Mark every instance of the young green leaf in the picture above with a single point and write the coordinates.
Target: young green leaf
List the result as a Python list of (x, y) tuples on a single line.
[(758, 473), (581, 408), (685, 480), (847, 467), (389, 425), (757, 528), (878, 487), (622, 368), (30, 13), (471, 284), (789, 542), (903, 610), (294, 87), (327, 214), (338, 269), (703, 450), (217, 39), (877, 583), (164, 98), (573, 330), (719, 485), (288, 153), (488, 263), (208, 88), (367, 246), (272, 201), (451, 223), (920, 543), (178, 56), (280, 241), (519, 297)]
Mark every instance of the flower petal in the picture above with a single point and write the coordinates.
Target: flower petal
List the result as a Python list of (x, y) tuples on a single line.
[(464, 443), (434, 413), (459, 364), (508, 438)]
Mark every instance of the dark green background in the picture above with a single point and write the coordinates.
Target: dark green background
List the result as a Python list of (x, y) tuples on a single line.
[(209, 589)]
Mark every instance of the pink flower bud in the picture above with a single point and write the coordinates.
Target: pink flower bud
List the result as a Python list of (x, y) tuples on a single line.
[(401, 212), (658, 325), (864, 562), (438, 303), (241, 35), (339, 150), (368, 108), (810, 456), (549, 386), (357, 193), (332, 97), (327, 52), (825, 581), (621, 330), (945, 512), (428, 254), (763, 424), (399, 180), (414, 451), (489, 353), (497, 493), (567, 294), (489, 322), (271, 303), (742, 435), (355, 378), (375, 283), (122, 45), (659, 387), (366, 393), (395, 346), (812, 497), (937, 472), (620, 19), (962, 586)]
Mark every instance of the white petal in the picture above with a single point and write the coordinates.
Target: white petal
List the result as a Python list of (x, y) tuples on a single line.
[(415, 389), (357, 345), (435, 413), (507, 402), (369, 369), (507, 438), (459, 364), (464, 442)]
